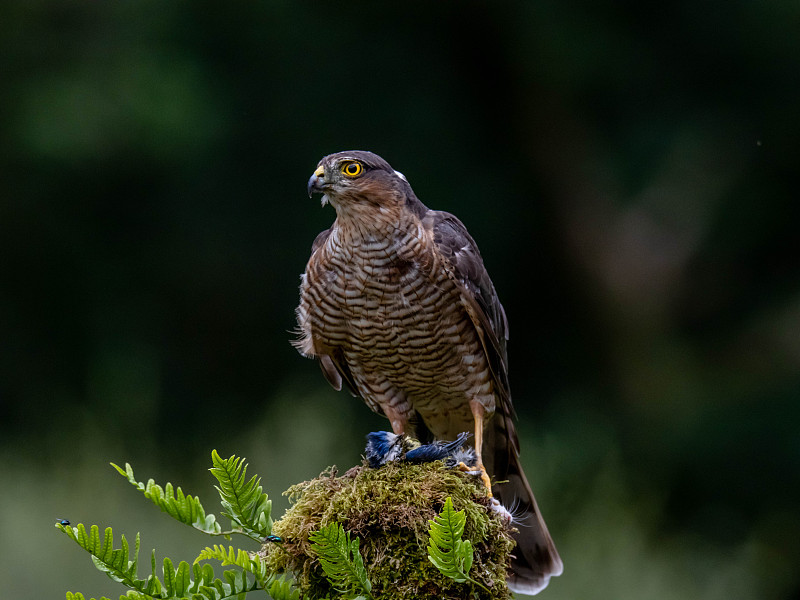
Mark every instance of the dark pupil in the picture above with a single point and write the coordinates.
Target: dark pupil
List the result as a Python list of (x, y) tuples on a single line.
[(352, 168)]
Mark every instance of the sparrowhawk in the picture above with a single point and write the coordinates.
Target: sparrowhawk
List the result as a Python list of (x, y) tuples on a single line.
[(397, 306)]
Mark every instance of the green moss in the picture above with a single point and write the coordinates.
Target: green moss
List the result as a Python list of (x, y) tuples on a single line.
[(389, 509)]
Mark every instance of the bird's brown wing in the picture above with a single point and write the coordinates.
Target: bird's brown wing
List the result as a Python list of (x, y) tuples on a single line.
[(333, 366), (536, 559), (479, 297), (336, 371)]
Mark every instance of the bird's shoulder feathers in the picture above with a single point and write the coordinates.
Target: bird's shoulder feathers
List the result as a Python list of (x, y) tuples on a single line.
[(459, 249)]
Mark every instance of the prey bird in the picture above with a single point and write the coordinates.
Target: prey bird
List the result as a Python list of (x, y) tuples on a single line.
[(397, 306), (384, 447)]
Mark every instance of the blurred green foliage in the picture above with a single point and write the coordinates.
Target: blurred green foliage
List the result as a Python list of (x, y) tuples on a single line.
[(243, 502), (628, 170)]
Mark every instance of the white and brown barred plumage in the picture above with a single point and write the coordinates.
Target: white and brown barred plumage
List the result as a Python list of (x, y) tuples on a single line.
[(397, 306)]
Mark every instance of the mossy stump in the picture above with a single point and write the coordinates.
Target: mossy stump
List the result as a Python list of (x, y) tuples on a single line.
[(389, 509)]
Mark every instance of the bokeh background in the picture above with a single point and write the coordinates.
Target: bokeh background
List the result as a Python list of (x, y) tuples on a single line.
[(629, 170)]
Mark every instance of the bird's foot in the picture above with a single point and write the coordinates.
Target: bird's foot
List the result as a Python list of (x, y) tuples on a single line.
[(479, 471), (486, 481)]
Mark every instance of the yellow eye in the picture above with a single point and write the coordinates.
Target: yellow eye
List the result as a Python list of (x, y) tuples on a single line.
[(352, 169)]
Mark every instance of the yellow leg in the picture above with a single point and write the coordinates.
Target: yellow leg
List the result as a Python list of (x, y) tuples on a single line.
[(478, 413)]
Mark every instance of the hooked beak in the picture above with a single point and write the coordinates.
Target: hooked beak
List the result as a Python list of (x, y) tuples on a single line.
[(316, 183)]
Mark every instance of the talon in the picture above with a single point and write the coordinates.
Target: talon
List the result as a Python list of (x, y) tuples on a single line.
[(478, 471), (486, 481), (469, 470)]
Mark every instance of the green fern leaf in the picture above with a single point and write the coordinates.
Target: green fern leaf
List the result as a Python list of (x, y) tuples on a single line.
[(203, 577), (217, 553), (244, 501), (178, 583), (114, 563), (282, 588), (79, 596), (446, 550), (234, 584), (184, 508), (152, 585), (341, 560), (251, 563)]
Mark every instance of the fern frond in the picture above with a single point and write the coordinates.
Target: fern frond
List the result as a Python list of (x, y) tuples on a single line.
[(446, 550), (177, 582), (184, 508), (341, 560), (79, 596), (114, 563), (244, 501), (226, 557), (235, 585), (282, 588), (279, 588), (247, 561)]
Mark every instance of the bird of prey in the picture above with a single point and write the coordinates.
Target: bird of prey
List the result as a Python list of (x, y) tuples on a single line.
[(396, 305)]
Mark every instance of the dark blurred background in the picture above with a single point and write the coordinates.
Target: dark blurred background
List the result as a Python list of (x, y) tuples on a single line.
[(629, 171)]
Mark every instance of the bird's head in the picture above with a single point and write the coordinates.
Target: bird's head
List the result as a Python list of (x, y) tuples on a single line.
[(356, 180)]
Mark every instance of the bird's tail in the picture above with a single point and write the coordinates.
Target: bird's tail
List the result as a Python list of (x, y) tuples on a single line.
[(536, 559)]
